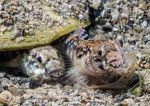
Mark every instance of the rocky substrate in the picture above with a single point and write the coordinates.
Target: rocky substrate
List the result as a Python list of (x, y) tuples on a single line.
[(127, 22), (23, 17), (17, 91)]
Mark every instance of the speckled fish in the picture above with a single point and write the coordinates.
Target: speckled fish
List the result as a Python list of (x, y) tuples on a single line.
[(98, 63)]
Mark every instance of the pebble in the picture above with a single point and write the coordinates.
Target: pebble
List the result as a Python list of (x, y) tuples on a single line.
[(6, 98), (127, 102), (1, 7), (144, 24), (115, 29), (2, 75), (20, 39), (27, 103)]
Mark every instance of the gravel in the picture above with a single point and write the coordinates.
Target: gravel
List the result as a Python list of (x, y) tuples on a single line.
[(21, 17), (56, 94), (127, 21)]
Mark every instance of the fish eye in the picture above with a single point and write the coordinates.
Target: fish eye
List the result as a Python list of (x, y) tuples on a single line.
[(97, 59), (100, 52), (39, 59)]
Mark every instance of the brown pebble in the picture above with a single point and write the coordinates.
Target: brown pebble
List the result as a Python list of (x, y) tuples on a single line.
[(146, 88), (15, 91), (127, 102), (6, 98)]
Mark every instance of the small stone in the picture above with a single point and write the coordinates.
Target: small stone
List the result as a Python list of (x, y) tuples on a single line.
[(144, 24), (115, 29), (3, 28), (2, 75), (15, 91), (95, 3), (75, 93), (127, 102), (142, 5), (1, 7), (115, 15), (27, 103), (20, 39), (6, 98)]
